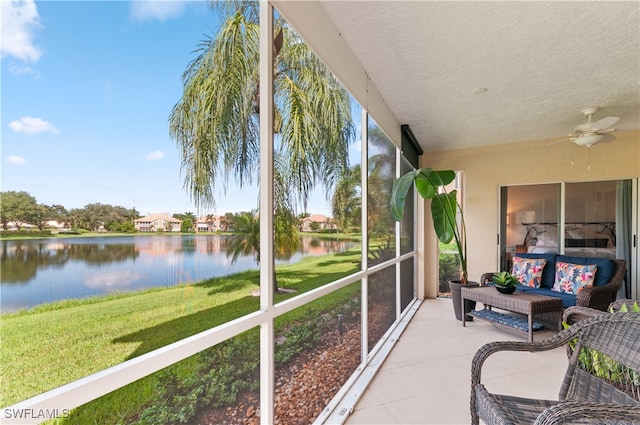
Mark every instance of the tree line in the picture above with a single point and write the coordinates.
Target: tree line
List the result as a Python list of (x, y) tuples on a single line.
[(20, 208)]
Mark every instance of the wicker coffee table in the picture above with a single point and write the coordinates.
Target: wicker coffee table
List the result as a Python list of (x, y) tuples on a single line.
[(548, 309)]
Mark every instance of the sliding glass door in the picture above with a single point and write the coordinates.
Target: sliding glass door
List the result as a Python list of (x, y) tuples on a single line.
[(586, 219), (530, 216)]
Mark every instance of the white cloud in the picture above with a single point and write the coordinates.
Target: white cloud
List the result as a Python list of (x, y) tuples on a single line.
[(17, 69), (148, 10), (31, 125), (19, 20), (154, 156), (15, 159)]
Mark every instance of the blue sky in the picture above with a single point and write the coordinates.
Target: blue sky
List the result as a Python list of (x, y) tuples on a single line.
[(87, 88)]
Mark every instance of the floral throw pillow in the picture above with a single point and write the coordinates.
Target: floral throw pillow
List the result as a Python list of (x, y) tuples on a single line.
[(572, 278), (528, 270)]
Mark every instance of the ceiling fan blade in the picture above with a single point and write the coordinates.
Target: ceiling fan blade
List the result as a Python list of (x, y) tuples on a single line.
[(570, 139), (600, 125), (605, 122)]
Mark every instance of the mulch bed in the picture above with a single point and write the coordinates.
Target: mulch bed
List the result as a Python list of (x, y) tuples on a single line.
[(306, 385)]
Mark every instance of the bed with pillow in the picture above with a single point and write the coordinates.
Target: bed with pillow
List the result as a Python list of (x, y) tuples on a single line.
[(580, 239), (579, 281)]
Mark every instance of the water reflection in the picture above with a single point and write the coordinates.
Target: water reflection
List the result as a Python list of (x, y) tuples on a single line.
[(39, 271), (20, 260), (120, 279)]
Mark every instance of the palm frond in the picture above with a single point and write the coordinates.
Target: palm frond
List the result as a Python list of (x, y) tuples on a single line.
[(216, 122)]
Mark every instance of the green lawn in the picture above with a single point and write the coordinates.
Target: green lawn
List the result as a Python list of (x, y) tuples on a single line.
[(57, 343)]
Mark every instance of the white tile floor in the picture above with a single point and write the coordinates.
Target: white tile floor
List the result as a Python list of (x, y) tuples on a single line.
[(426, 378)]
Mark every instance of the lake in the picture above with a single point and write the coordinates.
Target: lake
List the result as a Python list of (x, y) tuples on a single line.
[(41, 271)]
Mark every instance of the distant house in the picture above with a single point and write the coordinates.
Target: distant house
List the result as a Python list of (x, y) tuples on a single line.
[(54, 224), (317, 222), (157, 222), (208, 223), (18, 225)]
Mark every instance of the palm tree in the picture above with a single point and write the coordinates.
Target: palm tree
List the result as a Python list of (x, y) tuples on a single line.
[(246, 238), (379, 185), (346, 202), (216, 122), (286, 241), (381, 166), (210, 222)]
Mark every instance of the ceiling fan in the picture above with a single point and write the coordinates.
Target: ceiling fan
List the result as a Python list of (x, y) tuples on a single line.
[(592, 132)]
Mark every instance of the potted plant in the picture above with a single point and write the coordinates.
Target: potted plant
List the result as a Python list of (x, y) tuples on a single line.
[(431, 184), (505, 282)]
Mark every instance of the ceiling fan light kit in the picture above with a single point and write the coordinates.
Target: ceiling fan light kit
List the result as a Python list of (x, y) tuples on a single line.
[(589, 140)]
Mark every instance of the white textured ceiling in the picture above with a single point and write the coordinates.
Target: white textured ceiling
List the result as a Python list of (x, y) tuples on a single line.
[(541, 63)]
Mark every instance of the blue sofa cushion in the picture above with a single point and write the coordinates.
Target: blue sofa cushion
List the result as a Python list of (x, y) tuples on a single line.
[(604, 273), (549, 271), (524, 288), (568, 300), (515, 322)]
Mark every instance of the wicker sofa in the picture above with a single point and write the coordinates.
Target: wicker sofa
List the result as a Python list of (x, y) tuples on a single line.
[(609, 277)]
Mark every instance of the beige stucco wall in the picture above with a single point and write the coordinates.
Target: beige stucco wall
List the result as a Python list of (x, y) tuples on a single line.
[(488, 168)]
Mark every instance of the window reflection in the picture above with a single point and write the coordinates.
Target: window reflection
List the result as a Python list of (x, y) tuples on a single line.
[(524, 207), (590, 219)]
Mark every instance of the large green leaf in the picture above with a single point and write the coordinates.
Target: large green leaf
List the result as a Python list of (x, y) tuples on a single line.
[(399, 193), (425, 187), (443, 211), (438, 178), (431, 184), (427, 181)]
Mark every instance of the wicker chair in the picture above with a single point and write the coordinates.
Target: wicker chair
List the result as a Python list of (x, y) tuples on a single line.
[(575, 314), (583, 397)]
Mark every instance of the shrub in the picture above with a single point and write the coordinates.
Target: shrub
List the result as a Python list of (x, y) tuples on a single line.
[(218, 375), (299, 338), (26, 233), (449, 270)]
